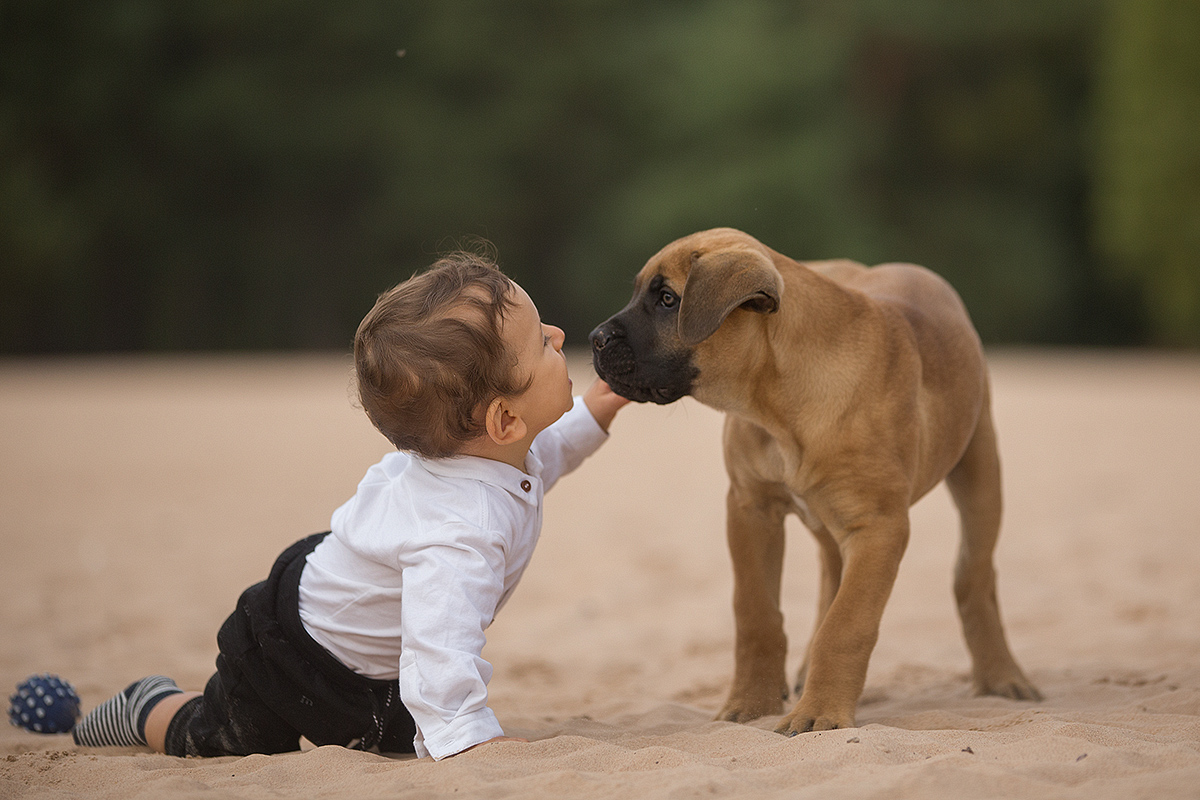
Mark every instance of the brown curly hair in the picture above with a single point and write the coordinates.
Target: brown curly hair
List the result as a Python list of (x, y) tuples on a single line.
[(429, 357)]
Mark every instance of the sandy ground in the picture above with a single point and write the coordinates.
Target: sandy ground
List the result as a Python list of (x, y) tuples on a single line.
[(140, 496)]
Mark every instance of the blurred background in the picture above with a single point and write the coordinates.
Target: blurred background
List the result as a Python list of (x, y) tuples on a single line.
[(227, 175)]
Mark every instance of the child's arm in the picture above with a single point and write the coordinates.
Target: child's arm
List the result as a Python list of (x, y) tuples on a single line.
[(450, 592), (603, 402)]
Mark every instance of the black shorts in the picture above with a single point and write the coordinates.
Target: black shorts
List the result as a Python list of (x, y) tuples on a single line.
[(274, 683)]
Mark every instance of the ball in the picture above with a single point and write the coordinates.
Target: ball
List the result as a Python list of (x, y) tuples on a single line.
[(44, 704)]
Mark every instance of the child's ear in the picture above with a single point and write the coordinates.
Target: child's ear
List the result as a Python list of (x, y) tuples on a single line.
[(504, 425)]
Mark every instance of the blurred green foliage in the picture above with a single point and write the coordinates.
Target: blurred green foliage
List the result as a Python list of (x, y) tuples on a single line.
[(220, 174), (1147, 160)]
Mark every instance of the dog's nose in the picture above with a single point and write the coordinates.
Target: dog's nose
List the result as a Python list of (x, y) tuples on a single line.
[(611, 353), (601, 337)]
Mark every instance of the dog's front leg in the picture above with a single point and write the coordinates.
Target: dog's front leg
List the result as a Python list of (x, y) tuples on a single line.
[(755, 531), (841, 647)]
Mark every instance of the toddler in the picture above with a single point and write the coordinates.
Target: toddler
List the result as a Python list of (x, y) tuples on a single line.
[(370, 635)]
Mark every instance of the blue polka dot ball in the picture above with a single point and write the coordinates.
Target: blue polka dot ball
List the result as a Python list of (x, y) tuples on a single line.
[(44, 704)]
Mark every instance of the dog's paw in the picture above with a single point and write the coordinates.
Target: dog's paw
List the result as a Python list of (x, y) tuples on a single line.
[(745, 709), (802, 721), (1014, 687), (739, 715)]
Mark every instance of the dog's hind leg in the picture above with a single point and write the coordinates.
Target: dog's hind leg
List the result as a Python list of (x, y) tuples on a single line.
[(974, 484), (831, 579)]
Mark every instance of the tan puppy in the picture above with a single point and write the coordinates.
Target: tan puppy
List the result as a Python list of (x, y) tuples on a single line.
[(850, 392)]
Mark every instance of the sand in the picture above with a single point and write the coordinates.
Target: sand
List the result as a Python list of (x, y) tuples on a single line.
[(139, 496)]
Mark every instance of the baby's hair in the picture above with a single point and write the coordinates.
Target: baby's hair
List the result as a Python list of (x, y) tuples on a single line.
[(429, 356)]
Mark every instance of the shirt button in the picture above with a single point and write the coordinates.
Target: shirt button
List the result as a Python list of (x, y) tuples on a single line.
[(526, 486)]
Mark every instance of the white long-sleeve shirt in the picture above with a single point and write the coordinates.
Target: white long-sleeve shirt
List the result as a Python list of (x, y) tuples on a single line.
[(419, 561)]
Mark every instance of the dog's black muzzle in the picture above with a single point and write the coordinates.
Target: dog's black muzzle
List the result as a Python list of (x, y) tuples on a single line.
[(643, 380)]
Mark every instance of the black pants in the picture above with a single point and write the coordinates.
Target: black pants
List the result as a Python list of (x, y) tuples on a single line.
[(274, 683)]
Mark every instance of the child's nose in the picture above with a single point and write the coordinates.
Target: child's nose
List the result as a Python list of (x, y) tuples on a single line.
[(557, 337)]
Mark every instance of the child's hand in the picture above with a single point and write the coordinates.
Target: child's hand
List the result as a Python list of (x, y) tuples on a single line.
[(603, 402)]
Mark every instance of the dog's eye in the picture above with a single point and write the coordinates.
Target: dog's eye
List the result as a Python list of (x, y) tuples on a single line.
[(667, 298)]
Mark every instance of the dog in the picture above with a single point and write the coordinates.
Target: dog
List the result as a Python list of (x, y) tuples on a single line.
[(850, 392)]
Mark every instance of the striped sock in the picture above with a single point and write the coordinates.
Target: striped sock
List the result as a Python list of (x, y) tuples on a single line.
[(120, 721)]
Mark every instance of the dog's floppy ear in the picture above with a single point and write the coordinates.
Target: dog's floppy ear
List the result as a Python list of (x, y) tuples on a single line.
[(722, 281)]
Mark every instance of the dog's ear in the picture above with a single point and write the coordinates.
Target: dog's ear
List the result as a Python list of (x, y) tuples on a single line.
[(722, 281)]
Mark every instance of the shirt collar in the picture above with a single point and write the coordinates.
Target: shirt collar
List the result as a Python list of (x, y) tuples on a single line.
[(525, 486)]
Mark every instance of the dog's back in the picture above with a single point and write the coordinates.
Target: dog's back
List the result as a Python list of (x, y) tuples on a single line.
[(923, 296)]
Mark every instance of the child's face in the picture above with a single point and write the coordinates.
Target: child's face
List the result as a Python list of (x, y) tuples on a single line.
[(539, 355)]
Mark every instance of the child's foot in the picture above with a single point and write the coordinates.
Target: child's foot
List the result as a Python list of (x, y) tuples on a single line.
[(120, 721)]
